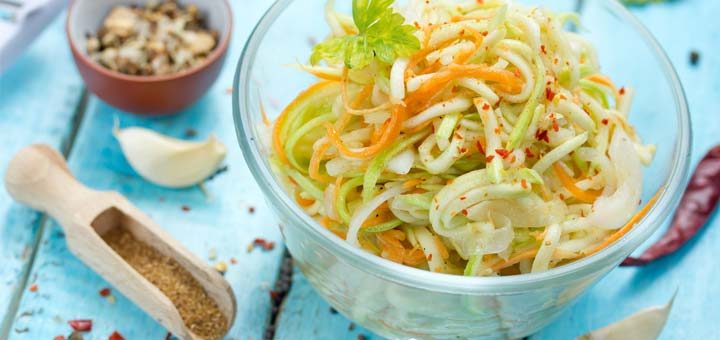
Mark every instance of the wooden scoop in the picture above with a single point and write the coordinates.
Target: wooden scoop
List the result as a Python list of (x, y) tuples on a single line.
[(39, 177)]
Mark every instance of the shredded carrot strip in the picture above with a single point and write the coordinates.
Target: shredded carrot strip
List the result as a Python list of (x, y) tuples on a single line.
[(276, 138), (314, 168), (303, 202), (412, 183), (600, 79), (441, 247), (391, 133), (324, 76), (364, 94), (478, 40), (586, 196), (414, 257), (265, 118), (515, 260), (420, 99), (628, 226)]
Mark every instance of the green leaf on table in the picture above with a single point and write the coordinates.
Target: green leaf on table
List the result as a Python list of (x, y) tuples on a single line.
[(383, 35)]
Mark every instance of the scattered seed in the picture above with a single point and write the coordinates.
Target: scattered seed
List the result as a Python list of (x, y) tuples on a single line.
[(221, 267), (185, 208), (33, 288), (333, 310), (233, 260), (105, 292), (116, 336), (212, 255), (694, 58), (251, 209), (76, 336), (110, 299), (190, 133)]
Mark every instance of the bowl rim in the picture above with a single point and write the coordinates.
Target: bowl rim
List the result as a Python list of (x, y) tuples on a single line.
[(214, 56), (438, 282)]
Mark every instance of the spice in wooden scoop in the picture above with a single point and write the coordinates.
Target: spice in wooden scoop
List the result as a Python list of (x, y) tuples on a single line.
[(199, 312)]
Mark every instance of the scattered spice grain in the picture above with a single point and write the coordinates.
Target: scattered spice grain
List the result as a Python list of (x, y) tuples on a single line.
[(185, 208), (105, 292), (199, 312), (116, 336), (694, 57), (33, 288), (76, 336)]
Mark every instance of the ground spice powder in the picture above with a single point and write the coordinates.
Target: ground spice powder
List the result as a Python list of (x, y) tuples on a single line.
[(199, 312)]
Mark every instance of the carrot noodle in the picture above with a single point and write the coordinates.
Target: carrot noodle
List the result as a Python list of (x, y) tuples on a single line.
[(462, 152)]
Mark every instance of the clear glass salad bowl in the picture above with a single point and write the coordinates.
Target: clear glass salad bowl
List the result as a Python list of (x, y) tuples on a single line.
[(396, 301)]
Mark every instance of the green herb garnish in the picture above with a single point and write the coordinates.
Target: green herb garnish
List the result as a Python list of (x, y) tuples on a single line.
[(382, 35)]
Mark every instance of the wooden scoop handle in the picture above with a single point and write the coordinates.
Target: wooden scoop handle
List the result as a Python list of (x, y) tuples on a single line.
[(38, 176)]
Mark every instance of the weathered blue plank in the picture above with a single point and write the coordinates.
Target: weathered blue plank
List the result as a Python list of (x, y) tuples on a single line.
[(220, 223), (39, 95), (679, 26)]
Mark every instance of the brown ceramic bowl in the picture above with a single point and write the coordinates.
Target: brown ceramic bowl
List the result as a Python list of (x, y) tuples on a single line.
[(151, 95)]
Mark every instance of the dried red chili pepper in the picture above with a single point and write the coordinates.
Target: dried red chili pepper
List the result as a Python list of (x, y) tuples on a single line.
[(700, 199), (81, 325)]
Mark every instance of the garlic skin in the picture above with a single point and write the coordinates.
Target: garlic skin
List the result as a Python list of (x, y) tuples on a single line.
[(169, 162)]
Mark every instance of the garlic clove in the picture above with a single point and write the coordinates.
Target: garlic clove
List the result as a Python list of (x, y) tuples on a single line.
[(170, 162), (643, 325)]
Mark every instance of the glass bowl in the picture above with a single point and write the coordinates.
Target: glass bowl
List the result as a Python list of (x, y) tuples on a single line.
[(396, 301)]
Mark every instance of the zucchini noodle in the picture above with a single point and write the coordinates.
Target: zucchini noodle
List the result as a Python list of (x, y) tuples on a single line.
[(496, 148)]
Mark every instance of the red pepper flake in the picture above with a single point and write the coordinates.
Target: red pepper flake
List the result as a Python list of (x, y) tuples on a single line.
[(529, 153), (464, 212), (562, 197), (486, 106), (261, 242), (33, 288), (497, 130), (542, 135), (116, 336), (185, 208), (480, 147), (274, 294), (489, 159), (549, 94), (233, 260), (84, 325), (429, 257), (605, 121), (502, 152), (59, 337), (542, 48), (462, 198), (523, 183), (622, 91), (104, 292), (251, 209), (555, 126)]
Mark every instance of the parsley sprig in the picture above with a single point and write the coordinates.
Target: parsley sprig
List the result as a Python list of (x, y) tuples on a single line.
[(383, 35)]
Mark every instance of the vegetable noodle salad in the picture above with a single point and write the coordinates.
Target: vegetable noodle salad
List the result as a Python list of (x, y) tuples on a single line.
[(474, 137)]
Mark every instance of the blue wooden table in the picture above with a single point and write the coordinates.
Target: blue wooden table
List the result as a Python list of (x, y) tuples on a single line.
[(42, 99)]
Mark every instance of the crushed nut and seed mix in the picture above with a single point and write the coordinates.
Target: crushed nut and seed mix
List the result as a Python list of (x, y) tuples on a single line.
[(161, 38)]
